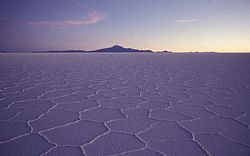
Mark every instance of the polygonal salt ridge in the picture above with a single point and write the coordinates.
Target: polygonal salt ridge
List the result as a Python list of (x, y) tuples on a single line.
[(149, 93), (197, 95), (221, 101), (136, 112), (118, 86), (62, 87), (98, 96), (197, 102), (228, 91), (180, 95), (53, 118), (33, 104), (98, 86), (166, 87), (12, 133), (162, 114), (102, 114), (214, 125), (19, 97), (196, 82), (38, 88), (192, 110), (157, 132), (113, 83), (134, 82), (9, 113), (16, 146), (240, 91), (83, 89), (2, 95), (75, 97), (17, 88), (78, 106), (148, 84), (82, 132), (241, 105), (14, 94), (56, 93), (178, 148), (217, 144), (130, 125), (57, 83), (5, 84), (147, 151), (76, 79), (130, 91), (244, 118), (215, 95), (113, 143), (57, 114), (164, 97), (47, 139), (15, 77), (48, 78), (127, 99), (75, 87), (238, 136), (27, 115), (225, 111), (64, 150), (163, 88), (27, 82), (111, 93), (153, 104)]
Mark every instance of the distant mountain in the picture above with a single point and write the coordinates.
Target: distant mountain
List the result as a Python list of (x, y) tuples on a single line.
[(165, 51), (115, 48), (118, 48)]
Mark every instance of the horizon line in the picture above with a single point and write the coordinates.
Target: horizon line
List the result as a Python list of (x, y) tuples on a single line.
[(155, 51)]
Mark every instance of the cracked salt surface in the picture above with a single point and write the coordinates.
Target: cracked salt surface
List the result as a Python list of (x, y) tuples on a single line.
[(125, 104)]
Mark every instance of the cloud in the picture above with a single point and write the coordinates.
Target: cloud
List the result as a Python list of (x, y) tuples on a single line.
[(186, 20), (92, 17)]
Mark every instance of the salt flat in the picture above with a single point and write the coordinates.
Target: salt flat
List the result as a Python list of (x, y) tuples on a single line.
[(125, 104)]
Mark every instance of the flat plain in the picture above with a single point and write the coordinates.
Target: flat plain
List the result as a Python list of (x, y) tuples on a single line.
[(126, 104)]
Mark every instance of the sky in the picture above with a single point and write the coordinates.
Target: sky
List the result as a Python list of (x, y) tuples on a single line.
[(174, 25)]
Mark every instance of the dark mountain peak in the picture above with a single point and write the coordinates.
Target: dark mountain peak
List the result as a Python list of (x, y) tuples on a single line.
[(117, 46)]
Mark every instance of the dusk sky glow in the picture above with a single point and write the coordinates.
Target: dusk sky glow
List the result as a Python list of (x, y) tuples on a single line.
[(175, 25)]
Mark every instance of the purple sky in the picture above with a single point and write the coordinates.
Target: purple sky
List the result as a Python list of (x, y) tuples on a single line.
[(176, 25)]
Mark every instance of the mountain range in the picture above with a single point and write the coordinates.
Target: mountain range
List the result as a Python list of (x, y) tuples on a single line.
[(115, 48)]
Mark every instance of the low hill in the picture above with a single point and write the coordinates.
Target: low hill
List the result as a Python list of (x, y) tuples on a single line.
[(118, 48)]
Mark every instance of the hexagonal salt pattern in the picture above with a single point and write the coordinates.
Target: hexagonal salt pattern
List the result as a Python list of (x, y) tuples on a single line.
[(138, 104)]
